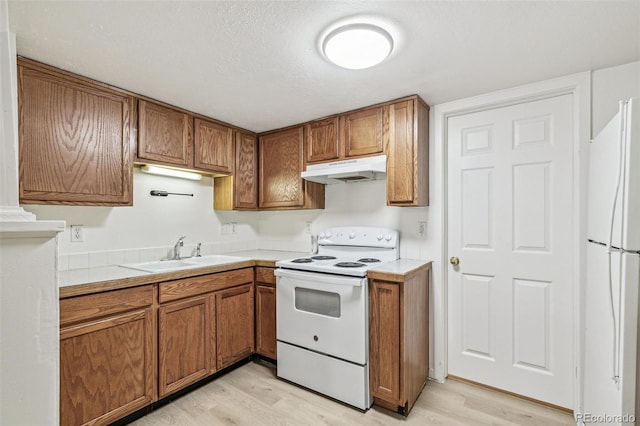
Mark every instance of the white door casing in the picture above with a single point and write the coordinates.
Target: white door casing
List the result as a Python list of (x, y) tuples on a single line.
[(510, 222)]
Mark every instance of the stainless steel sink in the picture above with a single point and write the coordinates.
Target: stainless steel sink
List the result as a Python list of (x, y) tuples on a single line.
[(179, 264)]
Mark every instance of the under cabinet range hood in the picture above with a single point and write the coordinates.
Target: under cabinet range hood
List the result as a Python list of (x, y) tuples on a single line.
[(348, 171)]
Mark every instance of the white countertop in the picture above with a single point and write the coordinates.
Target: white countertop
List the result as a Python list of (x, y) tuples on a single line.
[(91, 280)]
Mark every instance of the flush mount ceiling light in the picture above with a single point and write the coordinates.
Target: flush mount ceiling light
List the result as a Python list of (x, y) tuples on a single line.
[(357, 46), (155, 170)]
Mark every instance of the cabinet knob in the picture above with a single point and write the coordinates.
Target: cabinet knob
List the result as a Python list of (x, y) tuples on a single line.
[(454, 261), (315, 338)]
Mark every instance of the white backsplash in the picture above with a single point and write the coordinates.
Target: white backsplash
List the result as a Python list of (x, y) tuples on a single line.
[(148, 230)]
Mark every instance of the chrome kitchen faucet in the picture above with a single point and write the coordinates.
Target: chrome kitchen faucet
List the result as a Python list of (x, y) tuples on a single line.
[(176, 248)]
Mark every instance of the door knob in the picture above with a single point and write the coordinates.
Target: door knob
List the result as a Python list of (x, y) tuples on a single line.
[(454, 261)]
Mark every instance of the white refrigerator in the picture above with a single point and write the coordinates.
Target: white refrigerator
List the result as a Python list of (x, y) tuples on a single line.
[(613, 272)]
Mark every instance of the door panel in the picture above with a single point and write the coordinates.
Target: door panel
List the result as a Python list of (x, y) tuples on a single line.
[(510, 224)]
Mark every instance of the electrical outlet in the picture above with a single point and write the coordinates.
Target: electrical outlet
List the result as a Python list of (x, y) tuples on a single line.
[(307, 228), (225, 229), (77, 234), (234, 227), (421, 229)]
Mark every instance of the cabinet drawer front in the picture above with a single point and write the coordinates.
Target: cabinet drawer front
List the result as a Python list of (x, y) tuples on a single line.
[(80, 308), (179, 289), (265, 275)]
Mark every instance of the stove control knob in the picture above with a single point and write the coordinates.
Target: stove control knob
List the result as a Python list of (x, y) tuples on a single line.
[(328, 235), (387, 237), (321, 236), (352, 235), (379, 237)]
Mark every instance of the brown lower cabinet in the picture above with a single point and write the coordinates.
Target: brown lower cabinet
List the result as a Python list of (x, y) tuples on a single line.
[(107, 353), (205, 324), (266, 312), (399, 338), (186, 336)]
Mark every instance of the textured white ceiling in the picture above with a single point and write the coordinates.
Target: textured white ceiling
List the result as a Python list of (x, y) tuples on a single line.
[(256, 64)]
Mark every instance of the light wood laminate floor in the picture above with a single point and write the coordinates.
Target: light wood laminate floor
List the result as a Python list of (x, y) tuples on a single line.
[(253, 395)]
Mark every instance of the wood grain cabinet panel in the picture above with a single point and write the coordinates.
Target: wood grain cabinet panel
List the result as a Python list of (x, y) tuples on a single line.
[(186, 342), (75, 139), (213, 147), (399, 339), (235, 324), (362, 132), (321, 140), (106, 368), (164, 135), (266, 312), (239, 191), (281, 163), (280, 168), (407, 141)]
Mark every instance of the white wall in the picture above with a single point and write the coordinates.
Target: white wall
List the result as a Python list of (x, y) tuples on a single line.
[(361, 204), (154, 222), (609, 86), (29, 339)]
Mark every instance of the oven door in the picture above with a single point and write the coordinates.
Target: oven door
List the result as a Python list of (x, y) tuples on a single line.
[(324, 313)]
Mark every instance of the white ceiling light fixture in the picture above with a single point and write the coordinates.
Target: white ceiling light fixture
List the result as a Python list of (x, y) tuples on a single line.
[(155, 170), (357, 46)]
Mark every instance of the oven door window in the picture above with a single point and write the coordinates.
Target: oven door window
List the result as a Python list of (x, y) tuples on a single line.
[(317, 302)]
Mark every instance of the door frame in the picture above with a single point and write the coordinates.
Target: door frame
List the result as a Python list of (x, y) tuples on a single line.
[(578, 85)]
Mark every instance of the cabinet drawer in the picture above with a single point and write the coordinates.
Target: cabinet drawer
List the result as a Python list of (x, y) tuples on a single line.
[(93, 306), (179, 289), (265, 275)]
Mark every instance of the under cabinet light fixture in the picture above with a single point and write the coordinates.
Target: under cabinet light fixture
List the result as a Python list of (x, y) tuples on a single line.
[(357, 46), (156, 170)]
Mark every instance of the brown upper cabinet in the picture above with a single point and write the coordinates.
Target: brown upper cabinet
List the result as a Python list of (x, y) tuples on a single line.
[(361, 132), (353, 134), (239, 191), (281, 164), (213, 146), (407, 147), (164, 135), (321, 140), (75, 139)]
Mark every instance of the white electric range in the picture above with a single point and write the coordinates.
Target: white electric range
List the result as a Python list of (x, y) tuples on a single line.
[(322, 309)]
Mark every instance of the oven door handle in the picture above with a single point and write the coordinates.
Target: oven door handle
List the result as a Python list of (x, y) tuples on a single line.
[(319, 277)]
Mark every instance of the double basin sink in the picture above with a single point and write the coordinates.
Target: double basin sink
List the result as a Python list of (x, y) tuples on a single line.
[(185, 263)]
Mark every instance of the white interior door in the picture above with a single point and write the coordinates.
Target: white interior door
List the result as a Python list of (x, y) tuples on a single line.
[(510, 312)]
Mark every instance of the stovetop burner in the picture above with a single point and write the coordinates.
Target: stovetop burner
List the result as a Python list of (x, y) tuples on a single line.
[(349, 264), (302, 260), (369, 260), (323, 257)]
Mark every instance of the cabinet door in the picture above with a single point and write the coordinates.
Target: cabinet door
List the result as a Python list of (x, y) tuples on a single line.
[(164, 135), (362, 132), (384, 341), (280, 169), (246, 174), (321, 140), (401, 153), (186, 342), (75, 139), (266, 320), (106, 368), (407, 139), (234, 324), (213, 147)]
